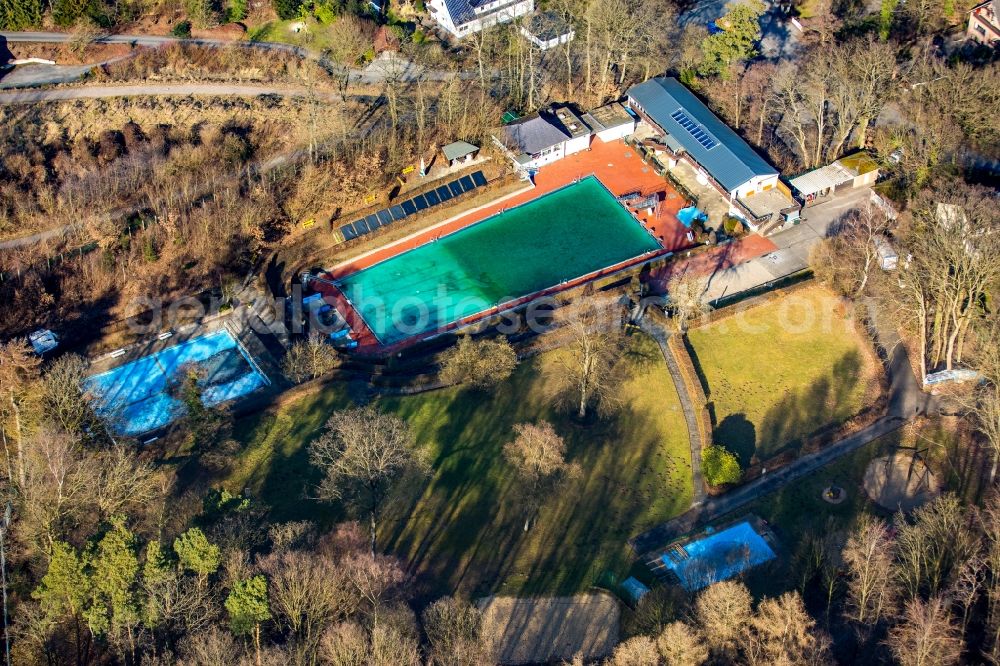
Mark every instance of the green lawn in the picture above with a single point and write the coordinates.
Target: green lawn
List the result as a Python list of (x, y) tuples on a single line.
[(779, 371), (461, 528)]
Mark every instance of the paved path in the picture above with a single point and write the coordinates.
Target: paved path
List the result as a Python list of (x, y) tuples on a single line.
[(793, 246), (658, 333), (713, 508), (384, 68), (906, 401), (213, 89)]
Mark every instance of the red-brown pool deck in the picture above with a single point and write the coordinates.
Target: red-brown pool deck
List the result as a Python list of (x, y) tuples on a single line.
[(618, 167)]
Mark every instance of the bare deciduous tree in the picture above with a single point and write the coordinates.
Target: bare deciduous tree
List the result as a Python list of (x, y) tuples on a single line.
[(592, 359), (722, 611), (868, 556), (927, 634), (539, 456), (687, 300), (19, 368), (636, 651), (361, 453), (481, 363), (681, 645), (457, 634), (309, 359), (782, 632)]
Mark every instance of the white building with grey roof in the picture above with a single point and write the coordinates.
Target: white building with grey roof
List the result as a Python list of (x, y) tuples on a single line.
[(542, 138), (461, 18)]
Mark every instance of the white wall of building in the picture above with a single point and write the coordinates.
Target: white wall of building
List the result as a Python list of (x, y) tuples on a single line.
[(498, 11), (546, 44), (576, 145), (615, 133), (756, 184)]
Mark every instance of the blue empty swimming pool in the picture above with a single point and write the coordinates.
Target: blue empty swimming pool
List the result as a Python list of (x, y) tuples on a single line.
[(718, 556), (136, 397)]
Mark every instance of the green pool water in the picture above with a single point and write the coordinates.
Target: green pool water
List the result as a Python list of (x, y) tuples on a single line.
[(560, 236)]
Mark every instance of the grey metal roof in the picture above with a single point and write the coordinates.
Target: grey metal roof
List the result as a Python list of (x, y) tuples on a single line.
[(462, 11), (731, 161), (454, 151), (534, 134)]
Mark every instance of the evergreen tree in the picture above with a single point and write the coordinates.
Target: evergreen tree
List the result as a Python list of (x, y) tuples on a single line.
[(735, 42), (65, 587), (248, 608), (114, 566), (20, 14), (195, 553)]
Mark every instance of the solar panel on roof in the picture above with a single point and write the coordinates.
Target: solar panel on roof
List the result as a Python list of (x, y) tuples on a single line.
[(699, 133), (420, 202), (408, 207), (479, 179), (372, 222), (455, 187), (360, 228), (467, 183), (348, 231), (432, 198), (397, 212), (384, 217), (444, 193)]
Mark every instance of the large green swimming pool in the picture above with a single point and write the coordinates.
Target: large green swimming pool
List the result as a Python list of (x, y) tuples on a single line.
[(563, 235)]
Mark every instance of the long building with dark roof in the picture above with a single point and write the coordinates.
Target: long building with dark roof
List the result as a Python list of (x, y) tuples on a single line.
[(688, 126)]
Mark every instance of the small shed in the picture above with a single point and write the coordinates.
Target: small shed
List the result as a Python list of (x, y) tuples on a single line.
[(460, 152), (547, 30), (887, 256)]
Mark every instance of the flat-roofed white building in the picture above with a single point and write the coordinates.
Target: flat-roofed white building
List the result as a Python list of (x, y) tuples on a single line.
[(611, 122)]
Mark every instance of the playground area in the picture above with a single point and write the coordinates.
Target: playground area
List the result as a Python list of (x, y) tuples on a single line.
[(900, 481), (591, 223)]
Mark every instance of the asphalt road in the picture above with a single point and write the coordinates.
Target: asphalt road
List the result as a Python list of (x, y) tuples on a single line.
[(213, 89), (386, 67)]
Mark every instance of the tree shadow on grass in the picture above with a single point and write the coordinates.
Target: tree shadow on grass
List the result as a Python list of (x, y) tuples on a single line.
[(739, 435), (802, 414)]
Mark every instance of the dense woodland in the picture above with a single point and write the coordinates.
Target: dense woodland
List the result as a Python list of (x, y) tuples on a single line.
[(117, 554)]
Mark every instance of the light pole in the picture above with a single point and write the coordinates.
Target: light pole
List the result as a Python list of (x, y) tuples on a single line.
[(3, 574)]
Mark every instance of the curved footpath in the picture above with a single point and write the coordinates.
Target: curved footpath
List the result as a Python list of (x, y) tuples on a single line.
[(211, 89), (658, 333), (379, 71), (906, 401)]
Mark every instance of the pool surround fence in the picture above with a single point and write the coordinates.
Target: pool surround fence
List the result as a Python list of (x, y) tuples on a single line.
[(341, 296)]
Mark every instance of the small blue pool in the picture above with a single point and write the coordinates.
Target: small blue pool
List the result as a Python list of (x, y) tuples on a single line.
[(136, 398), (718, 556), (688, 215)]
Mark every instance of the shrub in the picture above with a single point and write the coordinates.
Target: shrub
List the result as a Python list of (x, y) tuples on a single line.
[(20, 14), (182, 30), (287, 9), (732, 225), (720, 466), (236, 10)]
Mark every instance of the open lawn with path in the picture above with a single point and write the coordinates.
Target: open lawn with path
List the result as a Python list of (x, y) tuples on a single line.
[(461, 528), (780, 370), (798, 511)]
